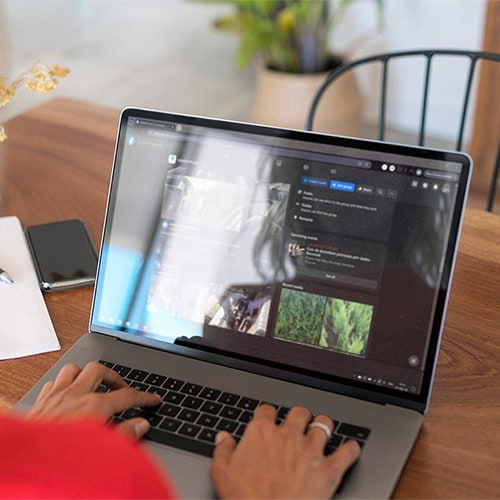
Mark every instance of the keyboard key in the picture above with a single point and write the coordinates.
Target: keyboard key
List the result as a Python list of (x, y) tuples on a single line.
[(169, 410), (188, 415), (106, 363), (153, 418), (154, 379), (173, 384), (240, 430), (211, 407), (192, 402), (137, 375), (174, 397), (138, 385), (230, 412), (353, 431), (283, 412), (182, 442), (247, 403), (192, 389), (227, 425), (335, 440), (208, 435), (228, 398), (122, 370), (207, 420), (169, 424), (332, 445), (133, 413), (211, 394), (246, 416), (157, 390), (189, 430), (270, 404)]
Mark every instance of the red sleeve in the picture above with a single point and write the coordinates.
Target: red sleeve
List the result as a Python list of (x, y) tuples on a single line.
[(78, 459)]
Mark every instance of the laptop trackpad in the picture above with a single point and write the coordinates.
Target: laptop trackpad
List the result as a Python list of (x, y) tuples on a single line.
[(189, 472)]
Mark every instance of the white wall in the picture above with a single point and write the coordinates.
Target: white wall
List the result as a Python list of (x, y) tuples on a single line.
[(412, 24), (164, 53), (160, 54)]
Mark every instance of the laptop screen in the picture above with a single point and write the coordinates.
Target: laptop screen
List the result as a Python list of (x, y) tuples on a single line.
[(325, 254)]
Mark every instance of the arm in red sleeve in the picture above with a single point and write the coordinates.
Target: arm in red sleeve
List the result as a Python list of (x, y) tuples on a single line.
[(77, 459)]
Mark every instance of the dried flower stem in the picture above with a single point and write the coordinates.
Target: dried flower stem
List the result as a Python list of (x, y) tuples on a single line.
[(39, 78)]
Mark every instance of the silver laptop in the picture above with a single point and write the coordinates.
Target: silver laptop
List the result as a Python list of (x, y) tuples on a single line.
[(243, 264)]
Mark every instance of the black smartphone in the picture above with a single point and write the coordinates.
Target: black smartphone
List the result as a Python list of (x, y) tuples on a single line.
[(63, 253)]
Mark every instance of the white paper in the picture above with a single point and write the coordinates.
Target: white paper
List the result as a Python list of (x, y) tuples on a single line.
[(25, 324)]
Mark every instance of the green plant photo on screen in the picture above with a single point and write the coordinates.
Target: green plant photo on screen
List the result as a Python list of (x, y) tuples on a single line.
[(329, 323), (346, 326), (300, 317)]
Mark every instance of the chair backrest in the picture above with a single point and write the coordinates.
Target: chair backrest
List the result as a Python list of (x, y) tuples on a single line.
[(429, 56)]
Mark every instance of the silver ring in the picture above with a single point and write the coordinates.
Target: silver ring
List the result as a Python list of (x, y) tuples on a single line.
[(323, 427)]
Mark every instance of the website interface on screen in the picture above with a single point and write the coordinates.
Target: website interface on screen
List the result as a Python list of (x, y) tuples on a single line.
[(323, 258)]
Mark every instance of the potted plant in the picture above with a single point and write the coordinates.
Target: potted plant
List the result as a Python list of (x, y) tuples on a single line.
[(290, 39)]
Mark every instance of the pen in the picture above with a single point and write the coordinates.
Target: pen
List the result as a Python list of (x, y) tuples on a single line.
[(5, 277)]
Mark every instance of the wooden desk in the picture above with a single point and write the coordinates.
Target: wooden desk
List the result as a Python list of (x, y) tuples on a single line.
[(56, 164)]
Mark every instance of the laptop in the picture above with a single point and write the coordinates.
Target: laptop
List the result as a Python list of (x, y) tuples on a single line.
[(242, 264)]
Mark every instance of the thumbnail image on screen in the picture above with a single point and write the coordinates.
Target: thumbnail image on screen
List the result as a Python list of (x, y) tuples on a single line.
[(325, 322)]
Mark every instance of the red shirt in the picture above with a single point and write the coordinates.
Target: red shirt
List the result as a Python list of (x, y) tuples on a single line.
[(76, 459)]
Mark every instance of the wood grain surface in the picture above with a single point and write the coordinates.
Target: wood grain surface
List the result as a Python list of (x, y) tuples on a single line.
[(56, 165)]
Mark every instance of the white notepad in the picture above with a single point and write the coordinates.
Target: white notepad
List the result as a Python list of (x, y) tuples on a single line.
[(25, 324)]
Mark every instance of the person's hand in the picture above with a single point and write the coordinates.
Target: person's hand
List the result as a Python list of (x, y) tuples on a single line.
[(72, 395), (284, 461)]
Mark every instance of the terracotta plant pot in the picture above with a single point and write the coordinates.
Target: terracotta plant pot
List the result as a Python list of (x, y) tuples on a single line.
[(283, 99)]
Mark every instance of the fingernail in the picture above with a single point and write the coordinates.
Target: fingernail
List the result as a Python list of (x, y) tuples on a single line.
[(141, 427), (220, 436)]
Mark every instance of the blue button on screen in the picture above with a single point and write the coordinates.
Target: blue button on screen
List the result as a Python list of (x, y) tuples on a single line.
[(314, 181), (342, 186)]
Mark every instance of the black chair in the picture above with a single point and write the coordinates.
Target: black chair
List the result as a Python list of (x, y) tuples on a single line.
[(429, 56)]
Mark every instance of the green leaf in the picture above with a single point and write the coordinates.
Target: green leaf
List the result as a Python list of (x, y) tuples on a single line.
[(292, 35)]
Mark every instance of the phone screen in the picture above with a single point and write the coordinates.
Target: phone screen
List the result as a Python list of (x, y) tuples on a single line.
[(63, 254)]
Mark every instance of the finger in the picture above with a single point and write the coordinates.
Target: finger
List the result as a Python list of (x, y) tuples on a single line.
[(351, 450), (319, 431), (343, 458), (66, 376), (219, 468), (266, 412), (224, 447), (46, 389), (112, 379), (134, 428), (298, 418), (93, 375), (125, 398)]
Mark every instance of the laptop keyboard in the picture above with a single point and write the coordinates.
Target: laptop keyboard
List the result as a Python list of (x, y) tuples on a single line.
[(190, 415)]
